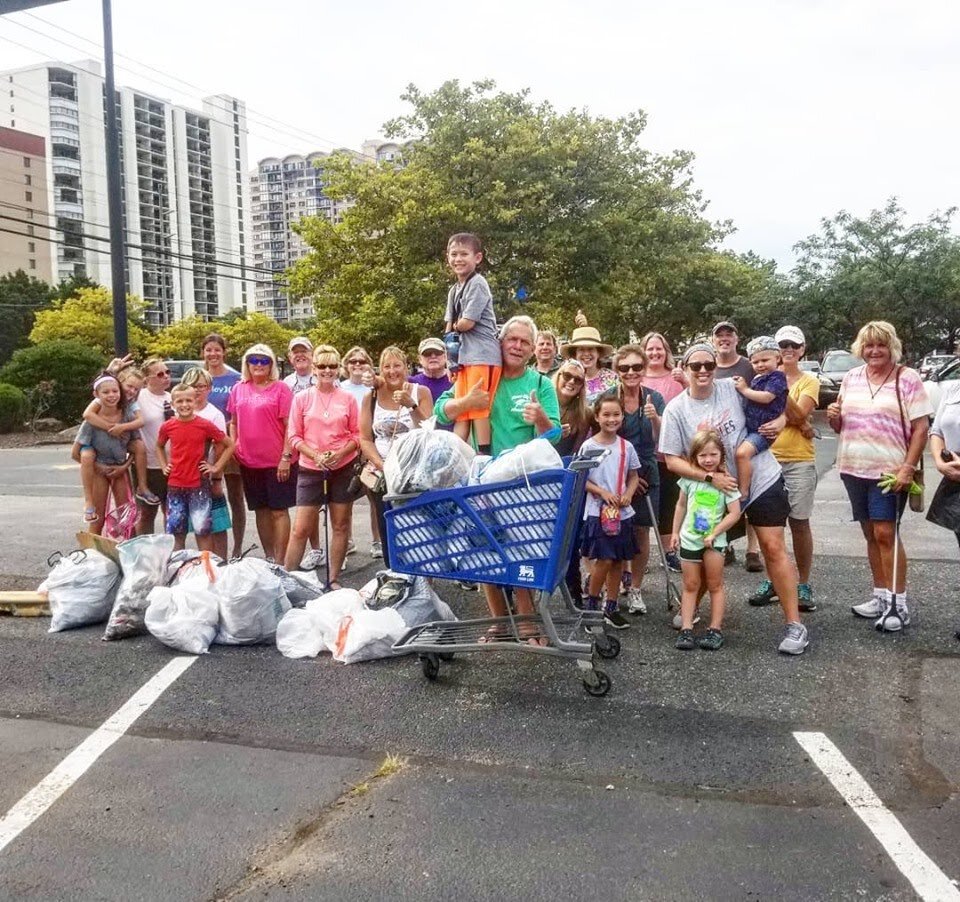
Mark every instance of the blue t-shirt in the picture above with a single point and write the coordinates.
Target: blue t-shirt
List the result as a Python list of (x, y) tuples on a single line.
[(220, 391), (638, 430), (758, 414)]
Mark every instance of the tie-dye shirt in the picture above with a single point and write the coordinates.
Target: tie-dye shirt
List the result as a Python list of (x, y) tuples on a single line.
[(872, 438), (601, 383)]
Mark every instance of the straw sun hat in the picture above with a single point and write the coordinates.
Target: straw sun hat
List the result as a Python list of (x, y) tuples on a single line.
[(586, 337)]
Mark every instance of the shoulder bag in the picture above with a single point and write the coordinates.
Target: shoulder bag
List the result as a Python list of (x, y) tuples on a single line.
[(610, 521)]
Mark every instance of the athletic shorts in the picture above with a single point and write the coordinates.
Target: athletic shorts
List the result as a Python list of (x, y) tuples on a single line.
[(467, 378), (696, 554), (219, 515), (800, 478), (189, 509), (868, 501), (262, 489), (770, 508), (310, 486)]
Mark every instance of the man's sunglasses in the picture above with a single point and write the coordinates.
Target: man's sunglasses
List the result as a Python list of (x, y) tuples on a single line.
[(259, 361), (630, 368), (708, 366), (792, 345)]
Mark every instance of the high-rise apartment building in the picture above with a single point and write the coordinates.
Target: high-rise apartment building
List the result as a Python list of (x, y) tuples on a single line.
[(24, 204), (282, 192), (185, 196)]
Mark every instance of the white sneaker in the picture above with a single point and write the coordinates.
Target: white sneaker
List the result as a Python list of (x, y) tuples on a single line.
[(313, 559), (795, 639), (376, 549), (870, 609), (893, 621), (636, 604), (351, 546), (678, 621)]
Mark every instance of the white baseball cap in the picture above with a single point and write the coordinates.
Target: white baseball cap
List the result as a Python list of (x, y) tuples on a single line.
[(300, 341), (790, 333)]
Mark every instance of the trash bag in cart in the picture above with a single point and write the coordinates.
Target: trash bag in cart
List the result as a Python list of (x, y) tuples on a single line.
[(80, 589), (143, 561), (425, 459)]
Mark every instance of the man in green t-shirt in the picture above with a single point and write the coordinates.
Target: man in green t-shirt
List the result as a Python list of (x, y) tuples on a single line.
[(524, 406)]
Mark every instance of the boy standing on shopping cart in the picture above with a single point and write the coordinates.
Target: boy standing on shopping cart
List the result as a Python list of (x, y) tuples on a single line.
[(523, 407)]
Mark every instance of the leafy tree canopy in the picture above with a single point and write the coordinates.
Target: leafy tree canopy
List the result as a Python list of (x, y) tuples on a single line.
[(21, 296), (574, 212)]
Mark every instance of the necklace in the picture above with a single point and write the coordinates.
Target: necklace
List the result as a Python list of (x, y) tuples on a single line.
[(326, 408), (875, 391)]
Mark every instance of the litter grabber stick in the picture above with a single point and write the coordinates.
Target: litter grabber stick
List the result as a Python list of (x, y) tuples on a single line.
[(891, 609), (673, 594)]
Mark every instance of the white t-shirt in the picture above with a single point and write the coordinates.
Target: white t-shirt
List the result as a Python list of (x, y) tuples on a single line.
[(389, 423), (300, 383), (357, 389), (211, 413), (151, 409), (606, 472)]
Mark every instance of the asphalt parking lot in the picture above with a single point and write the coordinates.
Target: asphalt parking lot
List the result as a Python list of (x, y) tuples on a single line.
[(701, 775)]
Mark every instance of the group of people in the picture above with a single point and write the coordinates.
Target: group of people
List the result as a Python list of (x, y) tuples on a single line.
[(703, 449)]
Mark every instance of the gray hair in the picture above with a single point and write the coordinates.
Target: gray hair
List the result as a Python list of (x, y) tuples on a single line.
[(519, 321)]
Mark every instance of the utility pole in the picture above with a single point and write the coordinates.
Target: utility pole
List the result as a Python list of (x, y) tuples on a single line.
[(114, 197)]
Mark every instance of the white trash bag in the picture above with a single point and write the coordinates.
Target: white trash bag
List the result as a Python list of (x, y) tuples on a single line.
[(184, 616), (80, 589), (530, 457), (252, 601), (424, 459), (365, 635), (299, 635), (143, 561), (184, 563), (328, 610)]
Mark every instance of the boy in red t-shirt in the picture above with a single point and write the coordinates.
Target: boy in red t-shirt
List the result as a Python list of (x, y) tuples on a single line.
[(188, 472)]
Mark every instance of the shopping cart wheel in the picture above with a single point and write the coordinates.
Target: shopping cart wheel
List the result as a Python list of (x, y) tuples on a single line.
[(607, 647), (431, 666), (445, 656), (597, 683)]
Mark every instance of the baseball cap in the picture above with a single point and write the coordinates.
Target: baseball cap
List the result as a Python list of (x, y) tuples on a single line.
[(300, 341), (790, 333), (430, 344), (724, 324), (762, 343)]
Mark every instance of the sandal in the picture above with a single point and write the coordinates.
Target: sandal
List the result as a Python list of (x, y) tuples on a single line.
[(90, 515), (685, 641), (148, 498)]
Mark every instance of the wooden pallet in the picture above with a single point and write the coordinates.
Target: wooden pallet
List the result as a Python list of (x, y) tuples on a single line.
[(24, 604)]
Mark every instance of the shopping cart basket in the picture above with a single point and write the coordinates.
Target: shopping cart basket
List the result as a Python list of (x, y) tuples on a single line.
[(516, 534)]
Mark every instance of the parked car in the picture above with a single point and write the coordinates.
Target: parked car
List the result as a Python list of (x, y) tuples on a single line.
[(933, 363), (834, 366), (810, 366), (179, 367), (949, 372)]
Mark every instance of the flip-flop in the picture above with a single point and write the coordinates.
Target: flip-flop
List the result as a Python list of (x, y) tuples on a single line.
[(90, 515)]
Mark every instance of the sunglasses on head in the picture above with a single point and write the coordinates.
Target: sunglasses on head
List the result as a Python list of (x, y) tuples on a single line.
[(792, 345), (572, 377), (630, 368), (708, 366), (257, 360)]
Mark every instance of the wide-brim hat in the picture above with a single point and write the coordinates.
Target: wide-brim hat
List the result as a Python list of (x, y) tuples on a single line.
[(585, 337)]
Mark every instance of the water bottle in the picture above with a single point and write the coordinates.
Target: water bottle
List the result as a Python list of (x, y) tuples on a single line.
[(451, 341), (167, 410)]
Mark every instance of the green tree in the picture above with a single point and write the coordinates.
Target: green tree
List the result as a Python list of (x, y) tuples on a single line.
[(880, 267), (254, 328), (572, 209), (181, 340), (21, 297), (87, 317)]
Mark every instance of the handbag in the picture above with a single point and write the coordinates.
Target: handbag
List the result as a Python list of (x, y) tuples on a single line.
[(610, 521), (915, 501), (945, 506), (373, 479)]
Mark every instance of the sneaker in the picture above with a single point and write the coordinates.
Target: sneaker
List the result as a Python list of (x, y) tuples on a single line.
[(312, 560), (729, 556), (616, 620), (764, 595), (470, 587), (805, 595), (795, 639), (148, 498), (685, 641), (673, 562), (678, 621), (870, 609), (891, 621), (752, 562), (376, 549), (351, 546), (711, 640), (635, 603)]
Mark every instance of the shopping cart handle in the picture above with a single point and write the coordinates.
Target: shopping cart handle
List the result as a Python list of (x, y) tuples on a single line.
[(587, 460)]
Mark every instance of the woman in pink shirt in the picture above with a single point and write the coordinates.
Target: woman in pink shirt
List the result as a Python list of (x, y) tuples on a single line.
[(664, 376), (259, 407), (324, 430)]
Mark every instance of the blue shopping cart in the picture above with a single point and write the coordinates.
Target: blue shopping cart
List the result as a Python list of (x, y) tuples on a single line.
[(517, 534)]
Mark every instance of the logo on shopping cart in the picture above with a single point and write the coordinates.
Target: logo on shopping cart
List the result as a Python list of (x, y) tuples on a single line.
[(526, 572)]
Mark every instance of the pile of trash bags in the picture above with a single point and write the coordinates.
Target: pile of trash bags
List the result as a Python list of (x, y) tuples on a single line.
[(190, 600)]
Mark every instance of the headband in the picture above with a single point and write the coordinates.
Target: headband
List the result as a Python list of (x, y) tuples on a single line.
[(696, 348), (103, 378)]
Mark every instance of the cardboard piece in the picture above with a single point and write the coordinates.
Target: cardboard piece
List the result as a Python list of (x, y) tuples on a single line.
[(24, 604), (99, 543)]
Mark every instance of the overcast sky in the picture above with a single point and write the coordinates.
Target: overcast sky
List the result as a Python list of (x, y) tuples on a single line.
[(795, 109)]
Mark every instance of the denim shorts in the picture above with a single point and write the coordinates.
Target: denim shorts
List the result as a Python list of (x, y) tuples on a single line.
[(868, 501), (760, 442)]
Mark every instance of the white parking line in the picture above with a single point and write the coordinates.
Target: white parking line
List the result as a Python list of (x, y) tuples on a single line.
[(931, 884), (68, 771)]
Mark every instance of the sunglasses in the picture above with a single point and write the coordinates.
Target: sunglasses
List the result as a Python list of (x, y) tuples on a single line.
[(570, 377), (433, 352), (324, 366), (161, 373), (708, 366), (792, 345), (630, 368), (257, 360), (357, 362)]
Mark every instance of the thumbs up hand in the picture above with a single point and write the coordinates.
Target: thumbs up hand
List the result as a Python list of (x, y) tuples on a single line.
[(476, 398), (532, 411)]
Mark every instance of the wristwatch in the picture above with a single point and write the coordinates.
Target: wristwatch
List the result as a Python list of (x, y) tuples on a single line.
[(708, 477), (286, 456)]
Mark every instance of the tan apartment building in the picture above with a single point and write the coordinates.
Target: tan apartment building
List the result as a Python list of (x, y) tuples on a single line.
[(24, 206)]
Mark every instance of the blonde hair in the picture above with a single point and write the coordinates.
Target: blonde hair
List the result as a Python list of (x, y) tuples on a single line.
[(180, 389), (356, 349), (150, 363), (195, 375), (130, 372), (395, 352), (669, 363), (577, 414), (700, 441), (326, 351), (878, 332), (265, 351)]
